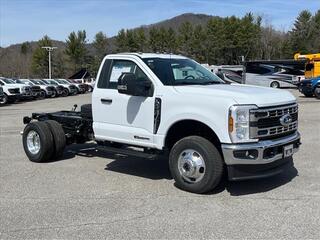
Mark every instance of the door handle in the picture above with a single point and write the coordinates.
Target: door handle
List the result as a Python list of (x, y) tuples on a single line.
[(106, 100)]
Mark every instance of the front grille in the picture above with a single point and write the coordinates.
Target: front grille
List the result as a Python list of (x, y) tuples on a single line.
[(305, 84), (35, 89), (72, 87), (26, 89), (59, 88), (266, 123), (14, 90), (1, 91), (50, 89)]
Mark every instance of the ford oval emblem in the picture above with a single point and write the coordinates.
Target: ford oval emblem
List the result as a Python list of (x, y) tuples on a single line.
[(285, 120)]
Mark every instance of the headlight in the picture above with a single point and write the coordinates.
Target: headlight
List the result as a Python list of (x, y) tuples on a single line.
[(239, 123)]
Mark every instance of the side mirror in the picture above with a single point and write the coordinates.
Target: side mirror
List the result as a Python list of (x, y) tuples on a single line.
[(130, 85)]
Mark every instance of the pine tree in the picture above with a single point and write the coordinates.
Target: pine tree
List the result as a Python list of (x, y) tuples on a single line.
[(121, 41), (301, 33), (100, 44), (154, 39), (40, 58), (76, 48)]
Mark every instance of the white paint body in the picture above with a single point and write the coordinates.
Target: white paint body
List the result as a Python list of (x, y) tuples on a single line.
[(129, 116)]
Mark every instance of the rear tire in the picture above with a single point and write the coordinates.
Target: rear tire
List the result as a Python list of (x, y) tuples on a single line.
[(37, 142), (275, 85), (195, 164), (59, 138)]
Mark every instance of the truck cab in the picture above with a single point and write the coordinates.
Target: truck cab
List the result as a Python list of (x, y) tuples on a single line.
[(171, 105)]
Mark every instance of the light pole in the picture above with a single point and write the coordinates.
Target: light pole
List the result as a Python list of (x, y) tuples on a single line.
[(49, 49)]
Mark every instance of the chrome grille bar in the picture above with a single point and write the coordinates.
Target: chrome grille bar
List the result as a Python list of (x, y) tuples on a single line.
[(263, 116)]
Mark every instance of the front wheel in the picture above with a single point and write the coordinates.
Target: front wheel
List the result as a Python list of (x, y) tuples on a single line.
[(65, 92), (275, 85), (54, 94), (4, 99), (317, 92), (195, 164), (42, 95)]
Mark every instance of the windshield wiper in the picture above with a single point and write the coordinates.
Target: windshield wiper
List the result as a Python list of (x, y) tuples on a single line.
[(209, 83), (187, 83), (198, 83)]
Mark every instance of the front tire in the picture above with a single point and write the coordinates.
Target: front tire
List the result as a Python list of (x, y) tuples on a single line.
[(65, 93), (195, 164), (4, 99), (317, 92), (37, 142), (42, 95), (54, 94)]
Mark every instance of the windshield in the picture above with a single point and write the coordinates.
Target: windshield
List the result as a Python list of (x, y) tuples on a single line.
[(61, 81), (24, 82), (52, 82), (8, 81), (37, 82), (181, 72)]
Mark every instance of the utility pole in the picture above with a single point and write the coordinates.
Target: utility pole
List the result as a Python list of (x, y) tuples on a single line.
[(49, 49)]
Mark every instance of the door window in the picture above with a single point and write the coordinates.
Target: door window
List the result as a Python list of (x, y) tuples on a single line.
[(109, 77)]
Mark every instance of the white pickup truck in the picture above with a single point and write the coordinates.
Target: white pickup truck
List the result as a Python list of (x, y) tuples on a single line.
[(149, 104)]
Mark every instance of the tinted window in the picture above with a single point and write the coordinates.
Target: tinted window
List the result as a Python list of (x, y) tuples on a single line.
[(104, 74), (257, 69)]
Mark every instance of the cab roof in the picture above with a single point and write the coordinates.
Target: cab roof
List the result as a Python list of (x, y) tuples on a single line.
[(150, 55)]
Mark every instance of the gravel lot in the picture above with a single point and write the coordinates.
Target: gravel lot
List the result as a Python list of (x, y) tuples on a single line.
[(91, 194)]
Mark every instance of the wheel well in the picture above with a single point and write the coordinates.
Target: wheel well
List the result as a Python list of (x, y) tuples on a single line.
[(186, 128)]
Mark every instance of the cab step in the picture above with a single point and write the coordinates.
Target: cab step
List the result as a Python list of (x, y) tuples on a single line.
[(129, 151)]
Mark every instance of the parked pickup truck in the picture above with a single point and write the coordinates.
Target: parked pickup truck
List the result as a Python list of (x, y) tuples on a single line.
[(11, 92), (150, 104), (310, 87)]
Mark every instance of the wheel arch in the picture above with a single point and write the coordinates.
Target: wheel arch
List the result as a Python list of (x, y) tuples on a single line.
[(190, 127)]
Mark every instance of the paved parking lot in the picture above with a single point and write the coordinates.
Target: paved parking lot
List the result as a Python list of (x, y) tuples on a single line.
[(91, 194)]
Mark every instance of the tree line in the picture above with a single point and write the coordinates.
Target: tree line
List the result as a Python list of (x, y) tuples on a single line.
[(222, 40)]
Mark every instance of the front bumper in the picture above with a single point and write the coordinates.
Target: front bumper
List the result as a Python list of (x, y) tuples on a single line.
[(260, 159), (26, 95), (14, 97), (305, 89)]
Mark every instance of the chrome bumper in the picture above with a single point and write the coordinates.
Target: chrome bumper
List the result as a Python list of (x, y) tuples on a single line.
[(228, 150)]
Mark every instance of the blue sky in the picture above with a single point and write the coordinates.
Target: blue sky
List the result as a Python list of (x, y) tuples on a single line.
[(29, 20)]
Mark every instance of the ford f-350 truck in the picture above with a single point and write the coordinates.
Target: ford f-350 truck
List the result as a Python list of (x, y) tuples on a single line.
[(150, 104)]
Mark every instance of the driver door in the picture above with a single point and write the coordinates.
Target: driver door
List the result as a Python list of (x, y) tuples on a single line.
[(120, 117)]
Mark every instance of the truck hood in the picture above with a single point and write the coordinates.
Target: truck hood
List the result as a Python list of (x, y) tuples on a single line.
[(241, 94), (15, 85)]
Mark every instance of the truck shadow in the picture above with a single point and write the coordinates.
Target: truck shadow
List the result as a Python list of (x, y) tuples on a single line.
[(153, 169), (262, 185), (158, 169)]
